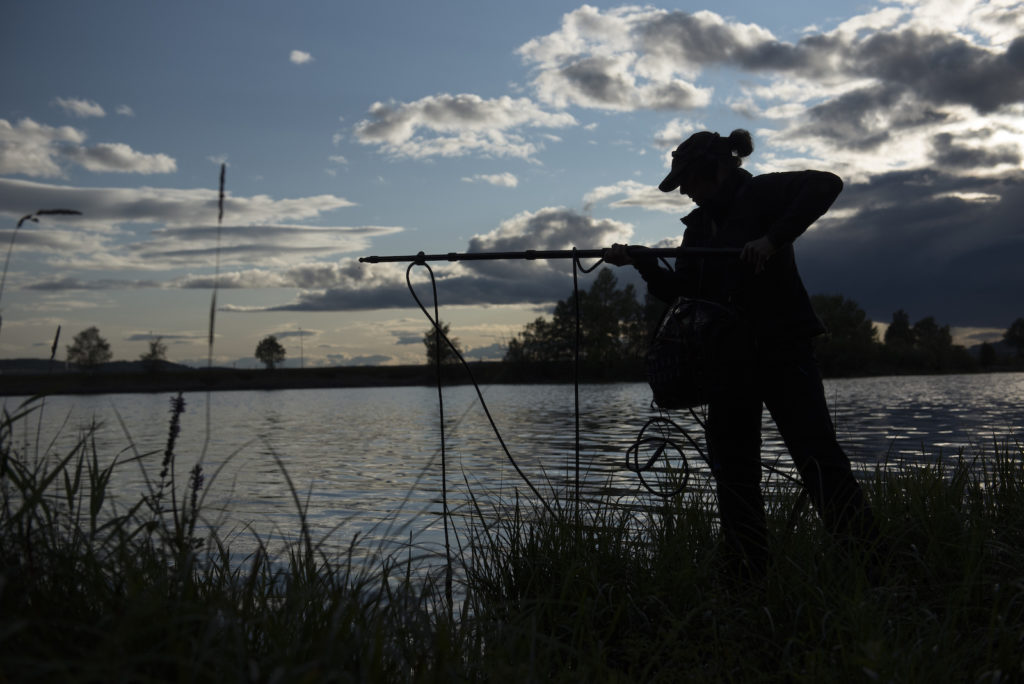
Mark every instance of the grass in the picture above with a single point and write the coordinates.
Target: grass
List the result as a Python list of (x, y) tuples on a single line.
[(96, 589)]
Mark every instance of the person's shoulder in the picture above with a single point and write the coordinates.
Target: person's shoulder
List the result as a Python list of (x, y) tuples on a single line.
[(786, 176), (777, 180)]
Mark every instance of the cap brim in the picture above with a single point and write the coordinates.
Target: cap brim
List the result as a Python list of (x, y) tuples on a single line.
[(671, 181)]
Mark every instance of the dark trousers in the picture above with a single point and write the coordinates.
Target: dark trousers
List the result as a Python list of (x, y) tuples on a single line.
[(786, 380)]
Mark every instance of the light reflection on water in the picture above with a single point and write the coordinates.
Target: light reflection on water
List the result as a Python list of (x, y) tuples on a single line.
[(366, 461)]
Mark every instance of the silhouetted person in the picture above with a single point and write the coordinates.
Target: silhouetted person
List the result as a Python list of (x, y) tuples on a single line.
[(763, 215)]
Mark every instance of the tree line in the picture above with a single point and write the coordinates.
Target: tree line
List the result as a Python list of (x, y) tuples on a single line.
[(616, 326), (89, 349)]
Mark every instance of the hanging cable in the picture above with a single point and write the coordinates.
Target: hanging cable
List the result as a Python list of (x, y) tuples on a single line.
[(578, 267), (434, 320)]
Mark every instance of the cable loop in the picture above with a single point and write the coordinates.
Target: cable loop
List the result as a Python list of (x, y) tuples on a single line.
[(434, 320)]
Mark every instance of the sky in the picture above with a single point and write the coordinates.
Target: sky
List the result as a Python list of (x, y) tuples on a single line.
[(350, 129)]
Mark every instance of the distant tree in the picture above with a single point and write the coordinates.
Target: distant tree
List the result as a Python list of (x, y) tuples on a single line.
[(157, 352), (899, 332), (613, 326), (88, 349), (933, 342), (270, 352), (1014, 336), (447, 354), (540, 340), (849, 347), (987, 355)]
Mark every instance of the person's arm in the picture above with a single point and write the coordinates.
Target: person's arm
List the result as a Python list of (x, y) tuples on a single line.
[(661, 283), (810, 195)]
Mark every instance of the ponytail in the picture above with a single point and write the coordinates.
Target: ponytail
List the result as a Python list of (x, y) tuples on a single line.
[(740, 143)]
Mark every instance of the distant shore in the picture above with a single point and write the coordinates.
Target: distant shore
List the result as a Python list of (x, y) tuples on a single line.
[(41, 377), (173, 378)]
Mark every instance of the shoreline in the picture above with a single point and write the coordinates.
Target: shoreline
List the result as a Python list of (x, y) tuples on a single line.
[(183, 379)]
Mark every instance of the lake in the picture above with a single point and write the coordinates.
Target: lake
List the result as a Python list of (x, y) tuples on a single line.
[(366, 461)]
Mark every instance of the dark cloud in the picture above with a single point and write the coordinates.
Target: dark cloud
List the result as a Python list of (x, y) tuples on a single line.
[(295, 333), (343, 360), (355, 286), (458, 290), (492, 352), (926, 242), (148, 337), (596, 79), (69, 283), (942, 68), (408, 337), (867, 118), (705, 39), (947, 153)]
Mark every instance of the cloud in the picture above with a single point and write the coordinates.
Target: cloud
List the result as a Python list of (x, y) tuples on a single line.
[(929, 242), (278, 244), (404, 337), (172, 207), (505, 180), (871, 94), (69, 283), (345, 360), (125, 110), (33, 149), (166, 337), (41, 151), (284, 334), (675, 131), (300, 57), (156, 229), (120, 158), (457, 125), (80, 108), (631, 193), (351, 285)]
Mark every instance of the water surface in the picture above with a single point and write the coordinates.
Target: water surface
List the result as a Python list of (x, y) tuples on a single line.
[(367, 461)]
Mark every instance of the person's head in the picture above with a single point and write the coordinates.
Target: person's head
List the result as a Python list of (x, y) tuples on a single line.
[(703, 161)]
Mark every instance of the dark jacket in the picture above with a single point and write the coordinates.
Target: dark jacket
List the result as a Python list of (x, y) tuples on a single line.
[(779, 205)]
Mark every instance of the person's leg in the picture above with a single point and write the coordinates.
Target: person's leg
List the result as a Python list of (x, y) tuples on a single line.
[(734, 448), (795, 397)]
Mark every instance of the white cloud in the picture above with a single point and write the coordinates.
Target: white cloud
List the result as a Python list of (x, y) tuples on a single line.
[(506, 180), (38, 150), (80, 108), (675, 131), (456, 125), (631, 193), (338, 159), (33, 149), (300, 57), (125, 110), (120, 158)]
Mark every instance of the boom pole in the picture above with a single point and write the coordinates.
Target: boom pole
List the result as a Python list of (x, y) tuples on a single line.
[(535, 254)]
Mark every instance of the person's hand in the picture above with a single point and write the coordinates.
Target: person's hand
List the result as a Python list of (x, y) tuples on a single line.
[(758, 252), (617, 255)]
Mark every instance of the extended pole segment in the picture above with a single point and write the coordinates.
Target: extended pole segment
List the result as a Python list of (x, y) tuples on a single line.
[(534, 254)]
